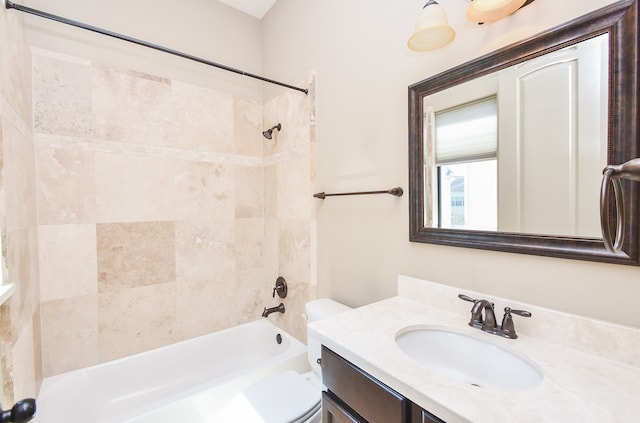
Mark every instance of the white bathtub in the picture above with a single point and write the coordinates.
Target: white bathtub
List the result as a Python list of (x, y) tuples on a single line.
[(187, 382)]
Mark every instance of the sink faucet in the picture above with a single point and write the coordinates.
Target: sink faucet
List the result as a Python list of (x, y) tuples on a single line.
[(486, 321)]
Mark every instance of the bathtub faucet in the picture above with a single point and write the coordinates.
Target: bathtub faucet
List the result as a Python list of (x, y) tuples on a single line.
[(268, 311)]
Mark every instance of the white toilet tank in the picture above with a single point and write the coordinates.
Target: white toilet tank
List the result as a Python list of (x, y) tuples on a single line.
[(318, 310)]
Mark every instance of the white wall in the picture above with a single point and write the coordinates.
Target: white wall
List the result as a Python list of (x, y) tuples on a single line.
[(358, 50)]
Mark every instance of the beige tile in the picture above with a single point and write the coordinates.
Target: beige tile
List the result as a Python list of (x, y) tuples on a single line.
[(24, 371), (292, 321), (203, 119), (204, 249), (37, 348), (68, 261), (19, 178), (136, 320), (69, 334), (293, 112), (275, 111), (271, 250), (22, 265), (270, 190), (295, 199), (131, 107), (204, 190), (66, 186), (15, 68), (295, 249), (248, 127), (62, 96), (248, 188), (203, 306), (135, 254), (6, 359), (134, 188), (257, 284), (249, 243)]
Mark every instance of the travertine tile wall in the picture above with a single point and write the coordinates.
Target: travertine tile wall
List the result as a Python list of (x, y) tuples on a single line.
[(163, 213), (290, 209), (20, 359)]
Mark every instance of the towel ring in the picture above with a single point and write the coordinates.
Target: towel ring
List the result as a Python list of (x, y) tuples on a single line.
[(613, 245)]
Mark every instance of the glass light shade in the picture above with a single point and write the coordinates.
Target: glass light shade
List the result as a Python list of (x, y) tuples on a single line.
[(492, 10), (432, 29)]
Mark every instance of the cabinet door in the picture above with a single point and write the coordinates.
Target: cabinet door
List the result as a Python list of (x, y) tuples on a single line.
[(333, 412), (418, 415), (367, 396)]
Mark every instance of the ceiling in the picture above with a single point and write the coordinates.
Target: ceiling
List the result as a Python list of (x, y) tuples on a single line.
[(257, 8)]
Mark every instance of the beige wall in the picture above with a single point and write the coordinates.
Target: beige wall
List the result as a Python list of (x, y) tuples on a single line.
[(363, 67), (19, 317)]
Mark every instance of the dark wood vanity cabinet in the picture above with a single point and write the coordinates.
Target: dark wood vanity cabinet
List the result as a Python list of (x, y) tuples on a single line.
[(354, 396)]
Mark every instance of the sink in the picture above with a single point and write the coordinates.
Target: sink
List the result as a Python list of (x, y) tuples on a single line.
[(468, 359)]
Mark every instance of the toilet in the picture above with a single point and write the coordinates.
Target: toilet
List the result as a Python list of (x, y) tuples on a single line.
[(288, 396)]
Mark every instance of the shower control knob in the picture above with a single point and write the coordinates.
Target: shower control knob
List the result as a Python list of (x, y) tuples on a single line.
[(280, 288), (22, 412)]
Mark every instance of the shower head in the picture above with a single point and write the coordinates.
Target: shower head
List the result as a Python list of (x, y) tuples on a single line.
[(268, 134)]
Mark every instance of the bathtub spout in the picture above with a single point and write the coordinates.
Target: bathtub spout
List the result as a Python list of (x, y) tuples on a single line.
[(268, 311)]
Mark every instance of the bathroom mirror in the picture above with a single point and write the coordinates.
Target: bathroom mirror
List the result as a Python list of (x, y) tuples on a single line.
[(525, 144)]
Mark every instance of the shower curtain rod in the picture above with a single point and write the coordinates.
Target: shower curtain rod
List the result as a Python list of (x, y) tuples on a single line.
[(25, 9)]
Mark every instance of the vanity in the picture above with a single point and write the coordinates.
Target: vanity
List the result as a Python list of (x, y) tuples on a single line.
[(354, 396), (589, 370)]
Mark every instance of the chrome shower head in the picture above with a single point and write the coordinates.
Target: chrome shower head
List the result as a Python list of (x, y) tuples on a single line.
[(268, 134)]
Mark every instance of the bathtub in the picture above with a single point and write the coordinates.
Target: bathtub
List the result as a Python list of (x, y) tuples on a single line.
[(188, 382)]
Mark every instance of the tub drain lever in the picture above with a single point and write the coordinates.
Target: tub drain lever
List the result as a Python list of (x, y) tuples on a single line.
[(22, 412)]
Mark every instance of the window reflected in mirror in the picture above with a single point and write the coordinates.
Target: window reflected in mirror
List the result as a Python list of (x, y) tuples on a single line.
[(462, 162)]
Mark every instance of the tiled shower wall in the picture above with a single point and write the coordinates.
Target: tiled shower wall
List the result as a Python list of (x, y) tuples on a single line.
[(20, 360), (163, 213)]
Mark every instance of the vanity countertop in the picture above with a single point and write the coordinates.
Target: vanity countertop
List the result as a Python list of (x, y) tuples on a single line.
[(578, 386)]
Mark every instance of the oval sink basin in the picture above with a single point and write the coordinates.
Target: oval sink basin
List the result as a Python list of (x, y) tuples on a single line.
[(468, 359)]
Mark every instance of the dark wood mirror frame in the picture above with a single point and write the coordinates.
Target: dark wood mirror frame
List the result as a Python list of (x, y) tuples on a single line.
[(620, 21)]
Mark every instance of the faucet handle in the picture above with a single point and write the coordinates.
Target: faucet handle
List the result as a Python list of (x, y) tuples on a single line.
[(280, 288), (523, 313), (467, 298), (507, 329)]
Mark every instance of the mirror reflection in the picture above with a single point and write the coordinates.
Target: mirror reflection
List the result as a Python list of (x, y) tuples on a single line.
[(521, 149)]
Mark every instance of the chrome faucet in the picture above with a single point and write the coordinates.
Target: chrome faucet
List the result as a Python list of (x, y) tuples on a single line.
[(486, 321)]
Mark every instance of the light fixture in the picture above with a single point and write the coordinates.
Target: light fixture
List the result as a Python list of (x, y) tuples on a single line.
[(482, 11), (432, 29)]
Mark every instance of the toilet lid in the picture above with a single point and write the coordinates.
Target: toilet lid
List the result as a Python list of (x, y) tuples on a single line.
[(284, 397)]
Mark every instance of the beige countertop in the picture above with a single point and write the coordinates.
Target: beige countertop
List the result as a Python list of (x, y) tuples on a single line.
[(578, 386)]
